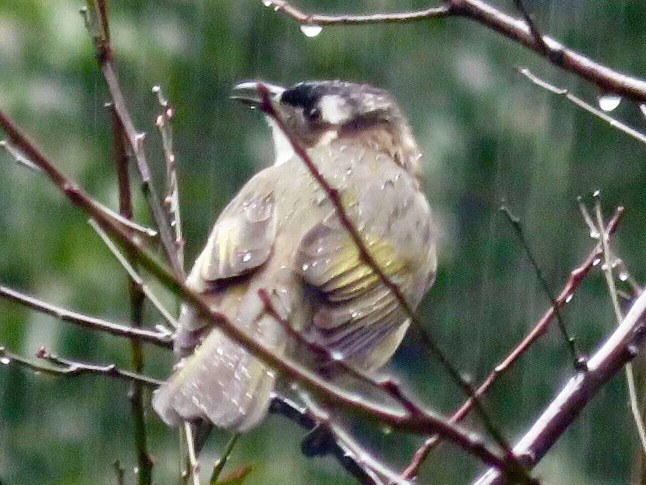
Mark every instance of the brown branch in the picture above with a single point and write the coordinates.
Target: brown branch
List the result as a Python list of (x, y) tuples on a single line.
[(171, 200), (163, 340), (619, 349), (105, 57), (135, 291), (323, 20), (70, 368), (365, 255), (605, 78), (573, 282), (423, 423), (545, 50)]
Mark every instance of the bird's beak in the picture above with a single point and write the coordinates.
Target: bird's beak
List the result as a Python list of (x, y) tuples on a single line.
[(249, 93)]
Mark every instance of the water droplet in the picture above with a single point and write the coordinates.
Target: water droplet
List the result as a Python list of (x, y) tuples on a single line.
[(596, 193), (623, 275), (246, 258), (568, 298), (156, 88), (267, 3), (609, 102), (336, 355), (349, 171), (605, 267), (305, 267), (5, 360), (596, 262), (594, 234), (311, 30), (387, 430)]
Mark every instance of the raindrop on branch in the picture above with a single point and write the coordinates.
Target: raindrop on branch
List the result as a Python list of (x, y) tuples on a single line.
[(609, 102), (311, 30)]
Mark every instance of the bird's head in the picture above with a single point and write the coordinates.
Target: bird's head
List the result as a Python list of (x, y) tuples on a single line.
[(322, 112)]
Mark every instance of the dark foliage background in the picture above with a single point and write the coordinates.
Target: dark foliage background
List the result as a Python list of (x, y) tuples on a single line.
[(487, 134)]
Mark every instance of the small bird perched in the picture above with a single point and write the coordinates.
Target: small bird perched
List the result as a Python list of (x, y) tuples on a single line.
[(281, 234)]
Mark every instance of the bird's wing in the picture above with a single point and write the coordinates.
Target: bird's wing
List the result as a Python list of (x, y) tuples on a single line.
[(356, 312), (243, 237)]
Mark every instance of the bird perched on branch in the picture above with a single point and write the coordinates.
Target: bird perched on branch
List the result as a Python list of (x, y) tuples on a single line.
[(281, 234)]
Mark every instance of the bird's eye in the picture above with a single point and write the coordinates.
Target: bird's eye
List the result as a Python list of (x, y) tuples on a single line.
[(314, 115)]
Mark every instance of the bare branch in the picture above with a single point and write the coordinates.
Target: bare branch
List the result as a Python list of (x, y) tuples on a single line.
[(134, 276), (605, 78), (624, 128), (577, 358), (620, 348), (335, 446), (137, 290), (171, 201), (159, 339), (72, 368), (607, 268), (135, 139), (576, 278), (322, 20), (534, 29)]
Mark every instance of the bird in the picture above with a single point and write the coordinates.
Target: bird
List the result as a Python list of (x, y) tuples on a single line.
[(281, 234)]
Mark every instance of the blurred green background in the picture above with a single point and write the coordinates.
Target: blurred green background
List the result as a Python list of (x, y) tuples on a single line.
[(488, 135)]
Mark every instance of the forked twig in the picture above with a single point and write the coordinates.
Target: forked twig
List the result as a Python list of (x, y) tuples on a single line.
[(66, 367), (159, 339)]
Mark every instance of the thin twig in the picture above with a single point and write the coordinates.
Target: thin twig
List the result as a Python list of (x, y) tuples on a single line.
[(335, 198), (134, 276), (607, 267), (378, 472), (423, 423), (605, 78), (193, 471), (171, 201), (135, 289), (624, 128), (577, 359), (219, 464), (620, 347), (335, 447), (105, 57), (159, 339), (576, 278), (66, 367), (323, 20), (538, 37)]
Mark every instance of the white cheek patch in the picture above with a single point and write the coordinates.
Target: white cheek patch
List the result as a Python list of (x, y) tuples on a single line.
[(334, 109)]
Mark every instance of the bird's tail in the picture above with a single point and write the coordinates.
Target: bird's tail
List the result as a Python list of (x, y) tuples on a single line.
[(222, 382)]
